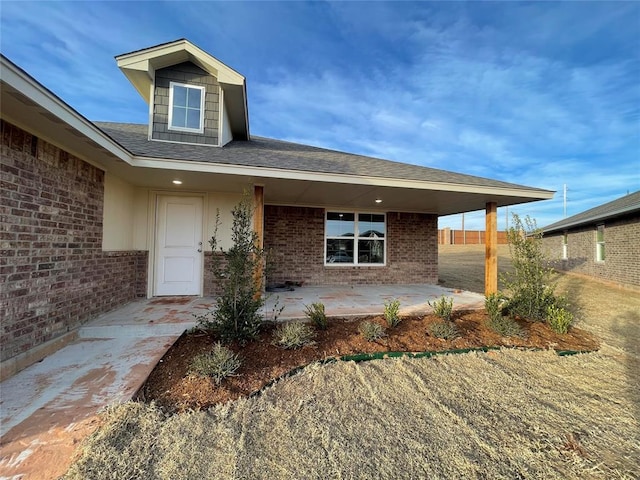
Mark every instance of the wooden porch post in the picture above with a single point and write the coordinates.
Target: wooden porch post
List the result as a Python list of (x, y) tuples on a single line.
[(258, 225), (491, 249)]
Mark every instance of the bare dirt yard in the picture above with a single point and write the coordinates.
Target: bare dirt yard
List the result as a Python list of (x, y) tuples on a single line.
[(500, 414)]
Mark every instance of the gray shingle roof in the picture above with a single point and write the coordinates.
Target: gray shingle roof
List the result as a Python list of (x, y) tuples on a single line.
[(265, 152), (622, 206)]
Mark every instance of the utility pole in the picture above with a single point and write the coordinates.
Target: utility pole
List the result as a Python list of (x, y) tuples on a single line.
[(565, 200)]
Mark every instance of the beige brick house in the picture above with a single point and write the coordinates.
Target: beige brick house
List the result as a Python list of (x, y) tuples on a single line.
[(603, 242), (97, 214)]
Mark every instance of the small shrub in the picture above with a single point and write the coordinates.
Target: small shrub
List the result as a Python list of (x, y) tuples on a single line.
[(443, 307), (444, 329), (293, 335), (392, 312), (559, 319), (493, 305), (371, 331), (316, 314), (505, 326), (218, 364)]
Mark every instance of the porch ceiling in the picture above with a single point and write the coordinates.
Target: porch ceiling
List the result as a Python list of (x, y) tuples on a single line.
[(283, 191)]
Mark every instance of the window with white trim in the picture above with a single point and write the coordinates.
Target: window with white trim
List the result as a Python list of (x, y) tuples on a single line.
[(565, 245), (353, 238), (186, 107), (600, 243)]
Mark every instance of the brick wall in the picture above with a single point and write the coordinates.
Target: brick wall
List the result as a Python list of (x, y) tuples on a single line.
[(54, 275), (212, 286), (622, 251), (294, 236)]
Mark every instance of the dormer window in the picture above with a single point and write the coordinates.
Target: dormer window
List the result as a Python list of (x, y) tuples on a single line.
[(186, 108)]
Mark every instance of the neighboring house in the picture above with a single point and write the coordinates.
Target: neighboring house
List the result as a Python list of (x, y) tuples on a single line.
[(603, 242), (96, 214)]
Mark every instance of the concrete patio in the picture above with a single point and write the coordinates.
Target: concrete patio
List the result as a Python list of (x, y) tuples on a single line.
[(50, 406)]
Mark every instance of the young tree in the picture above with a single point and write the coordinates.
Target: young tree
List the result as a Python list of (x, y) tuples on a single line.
[(530, 287), (237, 313)]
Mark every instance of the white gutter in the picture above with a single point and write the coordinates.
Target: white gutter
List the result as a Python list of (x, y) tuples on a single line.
[(270, 172)]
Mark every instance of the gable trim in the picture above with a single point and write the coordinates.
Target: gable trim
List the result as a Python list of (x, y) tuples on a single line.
[(140, 66)]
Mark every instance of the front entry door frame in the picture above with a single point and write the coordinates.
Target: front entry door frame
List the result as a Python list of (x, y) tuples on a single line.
[(152, 272)]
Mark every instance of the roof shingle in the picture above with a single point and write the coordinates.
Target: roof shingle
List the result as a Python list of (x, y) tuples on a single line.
[(263, 152)]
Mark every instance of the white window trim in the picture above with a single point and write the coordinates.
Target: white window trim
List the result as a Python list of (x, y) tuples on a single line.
[(355, 238), (602, 243), (186, 129)]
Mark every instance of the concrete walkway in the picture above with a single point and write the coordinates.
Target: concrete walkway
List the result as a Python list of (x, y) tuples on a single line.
[(365, 300), (46, 409)]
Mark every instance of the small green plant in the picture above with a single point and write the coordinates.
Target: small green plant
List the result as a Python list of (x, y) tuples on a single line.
[(392, 312), (493, 305), (559, 319), (371, 331), (505, 326), (316, 314), (293, 335), (218, 364), (444, 329), (502, 325), (443, 307)]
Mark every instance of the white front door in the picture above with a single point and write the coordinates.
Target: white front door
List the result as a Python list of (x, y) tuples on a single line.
[(178, 246)]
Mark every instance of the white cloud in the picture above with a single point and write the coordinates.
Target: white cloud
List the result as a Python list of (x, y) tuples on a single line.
[(504, 91)]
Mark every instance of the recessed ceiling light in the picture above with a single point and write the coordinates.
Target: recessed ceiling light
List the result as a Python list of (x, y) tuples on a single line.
[(378, 200), (177, 182)]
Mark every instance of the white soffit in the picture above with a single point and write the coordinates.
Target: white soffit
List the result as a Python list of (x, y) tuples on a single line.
[(34, 108)]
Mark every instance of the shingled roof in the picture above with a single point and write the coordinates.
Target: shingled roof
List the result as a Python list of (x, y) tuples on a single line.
[(262, 152), (622, 206)]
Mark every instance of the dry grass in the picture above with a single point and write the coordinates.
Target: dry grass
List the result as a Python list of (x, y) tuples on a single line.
[(506, 414)]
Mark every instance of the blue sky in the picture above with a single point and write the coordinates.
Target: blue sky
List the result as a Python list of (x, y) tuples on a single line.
[(542, 94)]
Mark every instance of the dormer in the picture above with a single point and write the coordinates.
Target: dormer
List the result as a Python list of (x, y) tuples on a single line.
[(193, 97)]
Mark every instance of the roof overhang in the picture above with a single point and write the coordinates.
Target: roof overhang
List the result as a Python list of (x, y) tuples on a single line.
[(140, 66), (32, 107), (590, 220), (318, 189)]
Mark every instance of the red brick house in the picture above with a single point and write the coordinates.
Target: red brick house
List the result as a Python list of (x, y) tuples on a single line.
[(602, 242), (97, 214)]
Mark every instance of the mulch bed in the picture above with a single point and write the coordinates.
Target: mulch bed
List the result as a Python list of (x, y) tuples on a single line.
[(170, 386)]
